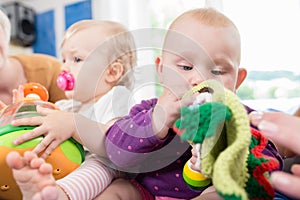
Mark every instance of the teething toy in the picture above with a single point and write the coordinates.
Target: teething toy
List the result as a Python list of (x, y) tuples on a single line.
[(35, 90), (231, 152)]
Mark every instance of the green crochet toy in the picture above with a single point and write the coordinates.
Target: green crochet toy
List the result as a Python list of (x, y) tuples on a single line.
[(230, 151)]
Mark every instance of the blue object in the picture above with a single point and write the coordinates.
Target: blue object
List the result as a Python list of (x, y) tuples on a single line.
[(77, 11), (45, 34), (280, 196)]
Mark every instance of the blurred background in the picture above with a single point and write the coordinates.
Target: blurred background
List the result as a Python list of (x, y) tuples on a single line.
[(270, 33)]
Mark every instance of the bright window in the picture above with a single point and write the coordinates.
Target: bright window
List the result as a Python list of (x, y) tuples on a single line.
[(270, 34)]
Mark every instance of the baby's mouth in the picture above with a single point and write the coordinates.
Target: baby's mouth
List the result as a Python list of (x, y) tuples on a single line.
[(205, 96)]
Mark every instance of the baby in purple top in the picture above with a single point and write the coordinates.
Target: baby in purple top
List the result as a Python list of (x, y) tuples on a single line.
[(200, 44)]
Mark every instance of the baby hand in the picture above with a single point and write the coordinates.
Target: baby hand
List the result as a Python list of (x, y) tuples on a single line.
[(2, 105), (167, 111), (56, 126), (18, 94)]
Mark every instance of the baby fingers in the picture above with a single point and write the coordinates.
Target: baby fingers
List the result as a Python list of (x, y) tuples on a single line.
[(29, 135), (44, 111), (31, 121), (48, 144), (2, 105)]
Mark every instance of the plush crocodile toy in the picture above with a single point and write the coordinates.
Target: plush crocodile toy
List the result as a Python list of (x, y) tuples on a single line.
[(230, 151)]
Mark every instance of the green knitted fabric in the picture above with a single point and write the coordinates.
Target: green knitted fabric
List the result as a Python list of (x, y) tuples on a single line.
[(210, 116), (231, 156)]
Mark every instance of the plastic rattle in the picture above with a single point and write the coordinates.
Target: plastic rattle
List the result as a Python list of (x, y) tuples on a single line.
[(35, 90)]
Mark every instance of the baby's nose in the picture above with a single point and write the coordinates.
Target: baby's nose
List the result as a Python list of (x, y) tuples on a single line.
[(65, 68), (196, 79)]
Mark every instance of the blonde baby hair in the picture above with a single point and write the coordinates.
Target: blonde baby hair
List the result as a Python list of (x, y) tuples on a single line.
[(121, 48), (207, 16)]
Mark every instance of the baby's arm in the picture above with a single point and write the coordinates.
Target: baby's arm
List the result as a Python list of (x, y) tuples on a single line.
[(131, 139), (167, 111), (58, 126)]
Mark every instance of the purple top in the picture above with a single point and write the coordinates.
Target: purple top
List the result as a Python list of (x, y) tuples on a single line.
[(132, 146)]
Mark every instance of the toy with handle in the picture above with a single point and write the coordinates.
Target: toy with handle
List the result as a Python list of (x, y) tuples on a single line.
[(64, 159), (188, 128), (231, 152), (35, 91)]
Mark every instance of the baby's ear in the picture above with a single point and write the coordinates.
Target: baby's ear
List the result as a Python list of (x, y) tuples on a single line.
[(242, 74), (159, 66), (114, 72)]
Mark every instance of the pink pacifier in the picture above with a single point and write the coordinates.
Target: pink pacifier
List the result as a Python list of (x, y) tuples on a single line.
[(65, 81)]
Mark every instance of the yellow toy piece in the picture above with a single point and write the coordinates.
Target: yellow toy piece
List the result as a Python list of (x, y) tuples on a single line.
[(196, 180)]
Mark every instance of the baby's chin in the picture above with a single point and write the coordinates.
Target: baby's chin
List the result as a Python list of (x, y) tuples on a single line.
[(76, 97)]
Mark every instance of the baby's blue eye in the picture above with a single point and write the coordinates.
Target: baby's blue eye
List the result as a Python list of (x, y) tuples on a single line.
[(216, 72), (76, 59), (186, 67)]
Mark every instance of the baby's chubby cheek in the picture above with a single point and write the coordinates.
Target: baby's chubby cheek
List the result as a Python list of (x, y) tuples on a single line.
[(176, 84), (69, 94)]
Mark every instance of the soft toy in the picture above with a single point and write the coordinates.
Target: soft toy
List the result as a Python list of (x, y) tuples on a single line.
[(230, 151), (64, 159)]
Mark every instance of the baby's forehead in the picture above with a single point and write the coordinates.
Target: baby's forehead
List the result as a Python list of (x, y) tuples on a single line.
[(180, 45)]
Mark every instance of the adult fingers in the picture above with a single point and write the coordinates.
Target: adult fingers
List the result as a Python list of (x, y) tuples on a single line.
[(286, 183), (279, 118), (286, 136), (296, 169), (280, 128)]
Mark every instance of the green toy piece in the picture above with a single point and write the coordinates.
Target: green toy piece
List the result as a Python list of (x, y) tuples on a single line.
[(210, 116)]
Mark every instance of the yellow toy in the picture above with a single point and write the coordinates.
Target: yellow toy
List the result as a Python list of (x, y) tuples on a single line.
[(64, 159)]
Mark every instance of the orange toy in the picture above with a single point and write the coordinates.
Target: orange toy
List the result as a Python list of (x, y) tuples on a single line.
[(35, 90), (64, 159)]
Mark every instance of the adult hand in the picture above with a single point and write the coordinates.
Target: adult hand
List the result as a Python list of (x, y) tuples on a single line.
[(283, 129)]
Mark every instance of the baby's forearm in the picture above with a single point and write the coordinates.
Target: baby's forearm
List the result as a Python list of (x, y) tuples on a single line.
[(159, 126), (90, 134)]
